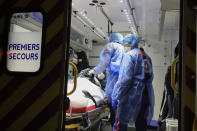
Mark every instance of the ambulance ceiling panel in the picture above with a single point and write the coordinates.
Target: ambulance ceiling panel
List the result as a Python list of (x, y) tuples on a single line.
[(153, 22), (114, 10), (147, 15)]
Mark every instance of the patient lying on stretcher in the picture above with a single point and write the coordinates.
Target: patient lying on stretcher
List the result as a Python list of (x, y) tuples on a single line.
[(89, 93)]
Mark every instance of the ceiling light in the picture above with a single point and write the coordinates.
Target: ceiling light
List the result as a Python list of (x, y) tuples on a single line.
[(102, 3), (73, 4), (90, 21), (92, 4), (121, 1), (94, 1)]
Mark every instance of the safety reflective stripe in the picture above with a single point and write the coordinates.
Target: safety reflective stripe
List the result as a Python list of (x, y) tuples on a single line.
[(190, 99), (49, 125), (117, 112), (189, 67), (21, 2), (117, 127), (191, 61), (143, 53), (2, 1), (36, 108), (49, 4), (146, 65)]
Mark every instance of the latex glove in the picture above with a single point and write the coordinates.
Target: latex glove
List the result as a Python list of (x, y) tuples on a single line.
[(114, 104), (91, 72)]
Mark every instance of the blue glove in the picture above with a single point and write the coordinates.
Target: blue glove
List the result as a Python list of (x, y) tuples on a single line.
[(114, 104)]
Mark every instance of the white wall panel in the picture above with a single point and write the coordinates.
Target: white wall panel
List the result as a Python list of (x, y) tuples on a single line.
[(160, 54), (94, 55), (158, 85)]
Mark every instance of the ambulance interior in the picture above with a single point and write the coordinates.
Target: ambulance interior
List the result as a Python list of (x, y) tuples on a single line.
[(155, 22), (157, 25)]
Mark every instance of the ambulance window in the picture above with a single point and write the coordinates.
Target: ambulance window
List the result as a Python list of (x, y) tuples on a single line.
[(24, 42)]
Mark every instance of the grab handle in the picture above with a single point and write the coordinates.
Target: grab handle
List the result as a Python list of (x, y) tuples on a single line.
[(75, 78), (173, 75)]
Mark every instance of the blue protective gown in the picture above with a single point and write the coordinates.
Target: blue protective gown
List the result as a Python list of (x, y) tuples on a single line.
[(146, 110), (149, 86), (128, 89), (110, 59)]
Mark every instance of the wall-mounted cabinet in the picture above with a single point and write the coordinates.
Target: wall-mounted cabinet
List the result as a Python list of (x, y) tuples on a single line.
[(79, 41), (170, 5), (77, 46)]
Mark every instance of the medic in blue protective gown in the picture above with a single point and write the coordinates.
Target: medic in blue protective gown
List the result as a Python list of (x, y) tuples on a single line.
[(147, 105), (127, 93), (110, 60), (148, 85)]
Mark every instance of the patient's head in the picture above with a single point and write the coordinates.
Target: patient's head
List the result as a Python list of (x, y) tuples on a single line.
[(101, 76)]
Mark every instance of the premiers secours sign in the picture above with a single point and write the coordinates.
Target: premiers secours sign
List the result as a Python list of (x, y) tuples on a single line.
[(24, 51)]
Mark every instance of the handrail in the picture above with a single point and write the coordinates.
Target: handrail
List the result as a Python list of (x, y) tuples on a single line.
[(75, 78), (173, 75)]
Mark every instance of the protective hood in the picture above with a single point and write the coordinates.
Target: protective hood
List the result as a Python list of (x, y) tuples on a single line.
[(116, 37), (131, 39)]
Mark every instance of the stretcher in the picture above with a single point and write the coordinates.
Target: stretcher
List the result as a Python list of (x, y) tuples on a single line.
[(88, 104)]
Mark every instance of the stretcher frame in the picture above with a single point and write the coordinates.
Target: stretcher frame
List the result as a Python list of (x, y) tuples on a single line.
[(90, 117)]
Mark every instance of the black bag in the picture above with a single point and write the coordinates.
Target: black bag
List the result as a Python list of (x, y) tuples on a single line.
[(82, 61)]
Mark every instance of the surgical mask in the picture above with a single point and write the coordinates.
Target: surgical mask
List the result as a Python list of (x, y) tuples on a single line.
[(126, 49), (101, 76)]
